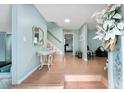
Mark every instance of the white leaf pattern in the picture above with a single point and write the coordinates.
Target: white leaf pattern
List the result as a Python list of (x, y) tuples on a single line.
[(109, 25), (120, 25), (117, 16)]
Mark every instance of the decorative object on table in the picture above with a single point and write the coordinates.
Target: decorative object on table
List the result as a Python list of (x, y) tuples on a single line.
[(38, 36), (109, 25), (46, 57)]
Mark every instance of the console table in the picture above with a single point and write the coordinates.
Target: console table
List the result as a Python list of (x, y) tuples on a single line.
[(46, 57)]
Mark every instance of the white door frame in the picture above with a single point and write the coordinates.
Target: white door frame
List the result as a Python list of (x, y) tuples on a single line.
[(72, 33)]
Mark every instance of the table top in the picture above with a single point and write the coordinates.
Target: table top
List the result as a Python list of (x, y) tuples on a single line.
[(45, 52)]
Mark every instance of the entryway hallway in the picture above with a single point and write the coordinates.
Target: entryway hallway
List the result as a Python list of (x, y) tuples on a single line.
[(69, 72)]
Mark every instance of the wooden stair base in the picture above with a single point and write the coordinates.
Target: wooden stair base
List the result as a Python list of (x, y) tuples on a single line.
[(72, 78), (84, 85), (38, 86), (71, 82), (85, 82)]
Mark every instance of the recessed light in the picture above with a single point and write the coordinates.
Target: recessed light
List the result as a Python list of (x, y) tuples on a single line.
[(67, 20)]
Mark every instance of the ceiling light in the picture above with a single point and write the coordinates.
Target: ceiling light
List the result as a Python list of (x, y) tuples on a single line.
[(67, 20)]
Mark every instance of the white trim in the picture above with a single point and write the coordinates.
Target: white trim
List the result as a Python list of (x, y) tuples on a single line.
[(68, 32), (85, 59), (72, 33), (73, 44), (21, 80), (5, 75)]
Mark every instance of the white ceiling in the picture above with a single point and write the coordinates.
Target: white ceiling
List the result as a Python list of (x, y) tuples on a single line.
[(78, 14), (5, 17)]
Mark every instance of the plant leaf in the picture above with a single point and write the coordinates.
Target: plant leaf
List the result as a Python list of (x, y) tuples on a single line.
[(111, 14), (116, 31), (99, 27), (117, 16), (120, 25), (107, 36), (105, 25), (111, 23), (114, 7), (100, 36), (99, 20)]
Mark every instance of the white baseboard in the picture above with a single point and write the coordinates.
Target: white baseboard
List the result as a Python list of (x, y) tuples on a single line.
[(73, 54), (85, 59), (5, 75), (21, 80)]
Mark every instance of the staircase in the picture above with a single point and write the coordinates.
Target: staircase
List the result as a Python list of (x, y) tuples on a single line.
[(58, 51), (54, 42), (55, 37)]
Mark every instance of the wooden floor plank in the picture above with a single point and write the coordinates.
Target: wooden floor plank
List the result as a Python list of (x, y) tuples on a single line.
[(64, 65)]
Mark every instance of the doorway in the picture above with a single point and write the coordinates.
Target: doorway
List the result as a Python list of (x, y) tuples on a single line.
[(5, 55), (5, 60), (68, 45)]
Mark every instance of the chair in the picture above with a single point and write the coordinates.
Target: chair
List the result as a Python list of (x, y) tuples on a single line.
[(89, 52)]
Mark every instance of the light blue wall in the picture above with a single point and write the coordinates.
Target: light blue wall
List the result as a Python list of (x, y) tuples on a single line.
[(92, 43), (2, 46), (122, 49), (115, 65), (58, 32), (116, 62), (83, 41), (75, 41), (24, 58)]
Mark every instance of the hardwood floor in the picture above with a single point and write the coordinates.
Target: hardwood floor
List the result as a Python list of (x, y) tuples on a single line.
[(84, 85), (64, 65)]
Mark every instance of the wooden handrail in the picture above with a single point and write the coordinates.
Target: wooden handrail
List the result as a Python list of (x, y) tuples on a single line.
[(55, 37)]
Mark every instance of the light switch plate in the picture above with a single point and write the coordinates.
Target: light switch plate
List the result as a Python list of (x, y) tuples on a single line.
[(25, 39)]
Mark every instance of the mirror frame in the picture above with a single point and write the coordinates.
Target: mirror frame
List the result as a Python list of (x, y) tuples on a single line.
[(38, 30)]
